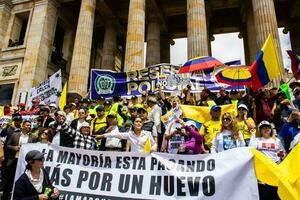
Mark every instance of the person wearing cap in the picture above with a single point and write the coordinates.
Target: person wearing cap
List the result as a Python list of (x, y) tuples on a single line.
[(35, 109), (229, 136), (76, 123), (244, 123), (21, 109), (74, 110), (282, 109), (111, 143), (290, 129), (173, 138), (107, 107), (137, 137), (69, 114), (81, 138), (294, 84), (99, 121), (268, 144), (35, 183), (296, 101), (148, 125), (13, 145), (193, 143), (211, 127), (45, 114), (59, 137), (222, 97), (53, 109), (117, 108)]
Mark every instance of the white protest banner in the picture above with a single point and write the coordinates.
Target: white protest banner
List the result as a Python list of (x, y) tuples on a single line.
[(83, 174), (48, 91), (7, 119)]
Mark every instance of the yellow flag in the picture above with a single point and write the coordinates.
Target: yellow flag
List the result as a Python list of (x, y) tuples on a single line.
[(63, 98), (286, 176), (1, 111), (201, 114), (147, 146)]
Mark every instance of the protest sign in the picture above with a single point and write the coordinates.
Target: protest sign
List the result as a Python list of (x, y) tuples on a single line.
[(171, 116), (48, 91), (83, 174), (108, 83), (7, 119)]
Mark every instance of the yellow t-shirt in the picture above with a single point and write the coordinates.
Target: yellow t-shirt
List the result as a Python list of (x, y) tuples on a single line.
[(98, 123), (209, 130), (243, 128)]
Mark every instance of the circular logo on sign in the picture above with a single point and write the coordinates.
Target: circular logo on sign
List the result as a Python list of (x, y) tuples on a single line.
[(105, 84)]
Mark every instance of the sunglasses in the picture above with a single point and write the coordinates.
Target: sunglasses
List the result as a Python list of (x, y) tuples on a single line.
[(226, 119), (46, 133), (81, 113), (217, 110)]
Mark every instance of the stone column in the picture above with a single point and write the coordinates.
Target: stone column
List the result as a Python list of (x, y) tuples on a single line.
[(165, 48), (134, 53), (109, 46), (251, 37), (153, 40), (196, 29), (5, 9), (80, 65), (39, 44), (265, 22)]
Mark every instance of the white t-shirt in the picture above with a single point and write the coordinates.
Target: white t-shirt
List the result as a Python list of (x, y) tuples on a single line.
[(269, 147), (223, 141), (137, 142)]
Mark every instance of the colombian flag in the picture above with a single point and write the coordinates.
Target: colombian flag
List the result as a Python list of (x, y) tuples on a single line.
[(266, 67), (201, 114)]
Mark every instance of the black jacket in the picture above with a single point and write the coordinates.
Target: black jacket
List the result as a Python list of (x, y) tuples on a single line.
[(24, 190)]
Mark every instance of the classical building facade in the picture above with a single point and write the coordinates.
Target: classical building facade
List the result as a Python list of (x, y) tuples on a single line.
[(38, 37)]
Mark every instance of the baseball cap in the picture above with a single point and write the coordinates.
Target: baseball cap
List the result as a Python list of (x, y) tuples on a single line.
[(53, 105), (296, 90), (264, 123), (34, 155), (190, 123), (141, 109), (243, 106), (42, 103), (215, 107), (99, 109), (111, 114), (62, 113), (84, 124), (22, 104)]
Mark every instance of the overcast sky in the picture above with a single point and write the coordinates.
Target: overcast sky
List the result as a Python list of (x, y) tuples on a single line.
[(226, 47)]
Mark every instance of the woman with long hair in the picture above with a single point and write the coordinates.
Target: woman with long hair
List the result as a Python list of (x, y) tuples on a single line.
[(34, 183), (137, 136), (229, 137), (46, 136)]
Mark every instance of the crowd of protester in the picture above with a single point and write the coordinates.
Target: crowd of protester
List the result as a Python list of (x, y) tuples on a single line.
[(267, 121)]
